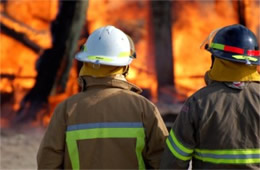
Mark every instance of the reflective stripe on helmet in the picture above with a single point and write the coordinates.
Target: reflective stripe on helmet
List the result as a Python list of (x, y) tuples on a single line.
[(124, 54), (84, 48), (105, 130), (99, 58), (243, 57), (255, 53), (231, 156)]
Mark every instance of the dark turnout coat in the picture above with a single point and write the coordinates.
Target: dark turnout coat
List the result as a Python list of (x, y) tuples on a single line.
[(106, 126), (218, 128)]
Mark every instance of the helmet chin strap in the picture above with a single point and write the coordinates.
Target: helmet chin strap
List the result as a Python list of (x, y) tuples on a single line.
[(126, 71)]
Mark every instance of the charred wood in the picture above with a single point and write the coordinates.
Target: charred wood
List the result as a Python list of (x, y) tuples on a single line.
[(51, 60), (13, 76), (74, 34), (241, 12), (162, 37), (21, 37), (32, 34)]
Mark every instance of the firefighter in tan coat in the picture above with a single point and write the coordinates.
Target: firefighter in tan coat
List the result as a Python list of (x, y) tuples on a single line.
[(219, 126), (108, 125)]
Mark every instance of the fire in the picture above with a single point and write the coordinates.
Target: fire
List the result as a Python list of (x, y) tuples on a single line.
[(190, 61), (252, 9), (193, 21), (133, 20), (33, 21), (30, 21)]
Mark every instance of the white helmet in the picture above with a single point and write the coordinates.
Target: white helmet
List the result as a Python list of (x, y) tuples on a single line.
[(108, 46)]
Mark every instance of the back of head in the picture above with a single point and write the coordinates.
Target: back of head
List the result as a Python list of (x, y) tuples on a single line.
[(107, 51), (235, 53)]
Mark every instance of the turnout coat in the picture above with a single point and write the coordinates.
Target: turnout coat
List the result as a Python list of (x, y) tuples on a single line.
[(106, 126), (218, 128)]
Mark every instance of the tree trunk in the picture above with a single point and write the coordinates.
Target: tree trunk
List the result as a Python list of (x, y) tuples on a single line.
[(65, 30), (162, 37)]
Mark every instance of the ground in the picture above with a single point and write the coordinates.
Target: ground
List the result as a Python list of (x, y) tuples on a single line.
[(19, 148)]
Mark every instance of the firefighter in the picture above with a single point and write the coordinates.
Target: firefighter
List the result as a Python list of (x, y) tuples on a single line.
[(108, 125), (219, 126)]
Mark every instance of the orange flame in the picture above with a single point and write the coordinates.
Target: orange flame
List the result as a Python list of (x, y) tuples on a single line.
[(193, 23), (191, 28)]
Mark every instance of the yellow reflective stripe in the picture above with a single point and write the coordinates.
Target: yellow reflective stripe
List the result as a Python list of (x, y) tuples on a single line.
[(99, 58), (230, 151), (73, 152), (177, 149), (84, 48), (243, 57), (179, 145), (74, 135), (175, 153), (231, 156), (124, 54), (228, 161)]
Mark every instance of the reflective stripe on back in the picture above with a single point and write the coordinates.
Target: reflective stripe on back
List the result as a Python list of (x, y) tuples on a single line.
[(105, 130)]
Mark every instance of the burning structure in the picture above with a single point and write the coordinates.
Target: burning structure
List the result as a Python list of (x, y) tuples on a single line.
[(170, 65)]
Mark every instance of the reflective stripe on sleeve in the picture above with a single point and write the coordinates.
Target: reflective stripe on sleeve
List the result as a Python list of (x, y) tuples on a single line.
[(105, 130), (177, 149), (235, 156)]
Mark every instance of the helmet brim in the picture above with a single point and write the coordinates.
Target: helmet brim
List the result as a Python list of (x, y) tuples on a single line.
[(103, 60), (232, 57)]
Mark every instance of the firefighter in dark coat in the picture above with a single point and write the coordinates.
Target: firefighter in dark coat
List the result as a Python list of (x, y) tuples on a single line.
[(219, 125)]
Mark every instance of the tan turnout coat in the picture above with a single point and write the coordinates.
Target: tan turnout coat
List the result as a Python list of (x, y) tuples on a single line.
[(106, 126)]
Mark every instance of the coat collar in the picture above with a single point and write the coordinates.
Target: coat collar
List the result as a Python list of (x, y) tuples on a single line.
[(115, 81)]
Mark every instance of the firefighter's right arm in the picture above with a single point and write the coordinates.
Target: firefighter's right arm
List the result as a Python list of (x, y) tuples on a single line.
[(51, 152), (181, 141)]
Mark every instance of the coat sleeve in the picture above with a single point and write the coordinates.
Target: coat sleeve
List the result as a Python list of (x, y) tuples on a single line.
[(51, 151), (181, 142), (156, 134)]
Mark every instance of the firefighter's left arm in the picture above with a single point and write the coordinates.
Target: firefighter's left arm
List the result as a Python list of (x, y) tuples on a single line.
[(51, 152), (181, 142), (156, 134)]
